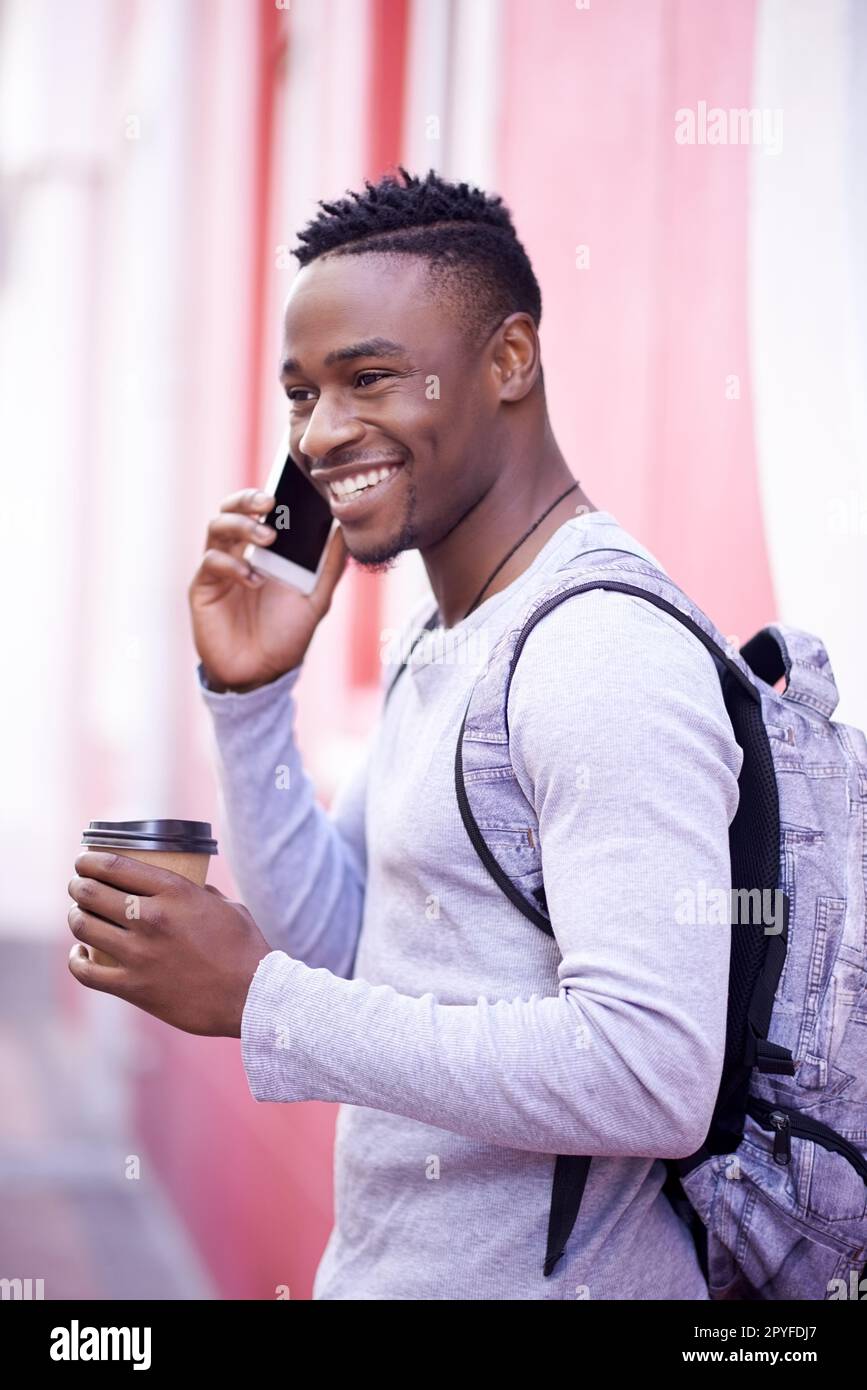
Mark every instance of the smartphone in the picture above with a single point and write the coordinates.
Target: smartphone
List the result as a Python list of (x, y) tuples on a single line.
[(303, 522)]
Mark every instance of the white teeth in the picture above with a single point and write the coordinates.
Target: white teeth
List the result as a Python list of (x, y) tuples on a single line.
[(350, 487)]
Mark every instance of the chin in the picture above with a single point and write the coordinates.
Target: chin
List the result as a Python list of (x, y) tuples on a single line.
[(372, 556), (381, 553)]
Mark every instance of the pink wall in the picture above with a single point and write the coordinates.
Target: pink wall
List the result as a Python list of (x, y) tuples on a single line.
[(253, 1182), (638, 346)]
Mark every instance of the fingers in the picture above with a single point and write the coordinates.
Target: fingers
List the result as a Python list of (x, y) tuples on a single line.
[(220, 565), (105, 901), (128, 875), (238, 523), (109, 979), (249, 501), (232, 531), (332, 569), (83, 968), (91, 932)]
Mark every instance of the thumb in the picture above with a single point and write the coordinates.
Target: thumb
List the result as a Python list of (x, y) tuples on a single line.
[(210, 888)]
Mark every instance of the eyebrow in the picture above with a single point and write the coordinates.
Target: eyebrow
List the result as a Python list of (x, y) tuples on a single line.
[(370, 347)]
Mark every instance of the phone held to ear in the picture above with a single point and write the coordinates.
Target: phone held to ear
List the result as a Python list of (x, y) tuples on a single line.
[(303, 522)]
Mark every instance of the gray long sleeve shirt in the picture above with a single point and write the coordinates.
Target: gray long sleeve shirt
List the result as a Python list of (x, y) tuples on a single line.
[(467, 1047)]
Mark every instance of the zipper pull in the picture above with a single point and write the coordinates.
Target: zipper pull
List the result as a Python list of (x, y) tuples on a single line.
[(782, 1127)]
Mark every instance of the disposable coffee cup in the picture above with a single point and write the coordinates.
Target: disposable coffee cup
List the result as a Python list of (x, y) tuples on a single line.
[(184, 846)]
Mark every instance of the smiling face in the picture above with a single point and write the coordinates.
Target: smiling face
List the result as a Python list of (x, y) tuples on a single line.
[(393, 415)]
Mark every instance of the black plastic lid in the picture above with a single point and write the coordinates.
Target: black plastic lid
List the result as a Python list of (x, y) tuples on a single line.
[(185, 836)]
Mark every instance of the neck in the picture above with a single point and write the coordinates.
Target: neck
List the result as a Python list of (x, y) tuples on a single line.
[(458, 565)]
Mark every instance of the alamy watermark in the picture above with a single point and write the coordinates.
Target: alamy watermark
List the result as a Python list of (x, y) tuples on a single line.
[(25, 1289), (440, 647), (731, 907), (712, 125)]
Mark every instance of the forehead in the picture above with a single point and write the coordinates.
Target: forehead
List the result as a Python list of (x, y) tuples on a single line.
[(345, 299)]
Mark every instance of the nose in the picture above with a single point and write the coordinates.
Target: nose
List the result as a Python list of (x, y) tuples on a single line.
[(331, 425)]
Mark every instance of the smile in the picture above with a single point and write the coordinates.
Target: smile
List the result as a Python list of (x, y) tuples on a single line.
[(347, 493)]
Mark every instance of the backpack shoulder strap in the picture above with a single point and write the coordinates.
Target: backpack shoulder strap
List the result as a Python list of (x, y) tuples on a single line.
[(484, 732)]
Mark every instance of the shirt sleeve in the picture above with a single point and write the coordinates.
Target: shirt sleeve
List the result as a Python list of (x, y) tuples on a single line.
[(622, 744), (300, 869)]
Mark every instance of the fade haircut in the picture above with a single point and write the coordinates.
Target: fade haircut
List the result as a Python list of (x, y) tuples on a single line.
[(476, 264)]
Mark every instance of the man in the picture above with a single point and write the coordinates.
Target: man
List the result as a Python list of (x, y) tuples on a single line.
[(377, 964)]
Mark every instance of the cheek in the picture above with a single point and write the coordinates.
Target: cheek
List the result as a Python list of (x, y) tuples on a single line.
[(438, 435)]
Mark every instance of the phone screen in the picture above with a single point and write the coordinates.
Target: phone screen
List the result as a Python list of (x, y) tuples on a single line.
[(301, 517)]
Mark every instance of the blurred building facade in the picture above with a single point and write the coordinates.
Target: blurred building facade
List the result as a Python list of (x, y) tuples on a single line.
[(687, 181)]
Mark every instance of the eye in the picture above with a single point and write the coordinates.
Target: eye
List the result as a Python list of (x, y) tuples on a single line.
[(292, 392), (376, 374)]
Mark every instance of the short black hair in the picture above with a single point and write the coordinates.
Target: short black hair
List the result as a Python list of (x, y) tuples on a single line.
[(467, 237)]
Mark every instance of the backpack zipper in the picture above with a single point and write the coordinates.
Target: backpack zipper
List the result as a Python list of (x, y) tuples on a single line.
[(787, 1123)]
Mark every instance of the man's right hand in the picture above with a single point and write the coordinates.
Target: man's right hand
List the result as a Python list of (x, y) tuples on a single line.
[(249, 629)]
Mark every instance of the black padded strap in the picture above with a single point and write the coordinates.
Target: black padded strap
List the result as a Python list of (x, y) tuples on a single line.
[(760, 1052), (570, 1177)]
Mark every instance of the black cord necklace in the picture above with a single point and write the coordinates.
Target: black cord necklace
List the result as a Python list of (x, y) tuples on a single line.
[(516, 546)]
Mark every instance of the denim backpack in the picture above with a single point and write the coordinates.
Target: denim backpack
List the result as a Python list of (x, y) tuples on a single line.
[(776, 1197)]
